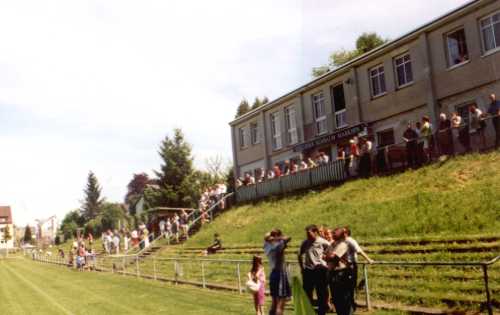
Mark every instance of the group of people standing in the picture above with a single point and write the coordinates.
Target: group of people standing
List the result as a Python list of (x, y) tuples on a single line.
[(289, 167), (175, 227), (328, 264)]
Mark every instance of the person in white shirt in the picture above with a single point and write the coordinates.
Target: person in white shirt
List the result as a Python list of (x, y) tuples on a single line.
[(162, 226), (168, 229)]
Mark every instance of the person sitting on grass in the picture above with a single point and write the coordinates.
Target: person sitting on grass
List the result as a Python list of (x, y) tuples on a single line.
[(216, 246)]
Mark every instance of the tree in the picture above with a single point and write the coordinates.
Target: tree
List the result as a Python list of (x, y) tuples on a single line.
[(6, 234), (71, 222), (176, 178), (256, 103), (217, 166), (364, 43), (243, 108), (135, 190), (265, 100), (92, 203), (27, 234)]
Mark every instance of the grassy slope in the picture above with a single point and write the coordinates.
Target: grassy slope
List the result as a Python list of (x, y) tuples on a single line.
[(458, 197)]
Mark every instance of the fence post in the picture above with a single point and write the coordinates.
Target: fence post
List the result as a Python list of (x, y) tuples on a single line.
[(137, 266), (486, 287), (154, 268), (203, 280), (239, 278), (175, 272), (367, 289)]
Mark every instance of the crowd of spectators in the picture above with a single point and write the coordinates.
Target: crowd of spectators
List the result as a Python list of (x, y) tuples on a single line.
[(421, 143)]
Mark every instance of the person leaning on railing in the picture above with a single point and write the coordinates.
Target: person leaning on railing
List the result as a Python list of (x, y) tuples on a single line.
[(494, 111)]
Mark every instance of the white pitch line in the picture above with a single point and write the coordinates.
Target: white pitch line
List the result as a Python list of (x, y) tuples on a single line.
[(39, 291)]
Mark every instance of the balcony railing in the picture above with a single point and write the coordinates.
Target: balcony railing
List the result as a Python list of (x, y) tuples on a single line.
[(331, 173)]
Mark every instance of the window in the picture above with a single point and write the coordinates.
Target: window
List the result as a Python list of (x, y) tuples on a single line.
[(385, 137), (490, 32), (457, 47), (254, 133), (291, 125), (404, 72), (243, 137), (377, 79), (339, 106), (276, 131), (318, 102)]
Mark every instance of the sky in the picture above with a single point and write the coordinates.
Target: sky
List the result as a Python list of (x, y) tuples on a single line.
[(96, 85)]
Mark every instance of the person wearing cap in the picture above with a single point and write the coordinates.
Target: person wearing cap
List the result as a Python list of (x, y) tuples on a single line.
[(314, 268)]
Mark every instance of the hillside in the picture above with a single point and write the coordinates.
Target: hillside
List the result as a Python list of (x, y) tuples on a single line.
[(457, 197)]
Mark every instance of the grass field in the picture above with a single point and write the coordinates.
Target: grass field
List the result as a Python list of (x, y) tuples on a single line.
[(27, 287), (30, 288)]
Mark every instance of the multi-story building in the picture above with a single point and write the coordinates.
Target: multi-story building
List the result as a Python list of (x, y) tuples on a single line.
[(442, 66), (46, 230), (6, 228)]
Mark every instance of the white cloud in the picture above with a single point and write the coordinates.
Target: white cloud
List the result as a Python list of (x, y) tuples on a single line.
[(96, 85)]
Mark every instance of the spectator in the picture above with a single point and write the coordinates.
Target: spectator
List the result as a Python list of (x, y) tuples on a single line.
[(352, 258), (314, 268), (341, 274), (126, 240), (116, 242), (275, 244), (459, 132), (325, 158), (303, 165), (294, 168), (135, 237), (445, 137), (184, 224), (270, 174), (258, 276), (311, 163), (477, 127), (239, 182), (215, 247), (354, 156), (286, 168), (162, 226), (494, 111), (365, 162), (90, 239), (426, 134), (168, 229), (410, 137), (277, 170)]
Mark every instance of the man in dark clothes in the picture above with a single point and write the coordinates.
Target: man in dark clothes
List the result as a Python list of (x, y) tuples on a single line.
[(216, 245), (494, 110), (410, 136)]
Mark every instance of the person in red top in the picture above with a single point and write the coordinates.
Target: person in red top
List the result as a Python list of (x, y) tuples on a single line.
[(277, 170)]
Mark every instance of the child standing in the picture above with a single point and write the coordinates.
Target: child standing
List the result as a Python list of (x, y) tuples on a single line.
[(258, 276)]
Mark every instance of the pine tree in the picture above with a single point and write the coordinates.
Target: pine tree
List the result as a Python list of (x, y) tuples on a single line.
[(92, 203), (176, 177), (265, 100), (27, 234), (256, 103), (243, 108)]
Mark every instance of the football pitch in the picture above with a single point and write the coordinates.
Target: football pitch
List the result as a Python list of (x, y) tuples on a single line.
[(27, 287)]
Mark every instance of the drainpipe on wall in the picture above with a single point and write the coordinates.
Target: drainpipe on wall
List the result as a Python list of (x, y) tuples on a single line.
[(235, 158), (432, 103), (356, 100), (266, 151)]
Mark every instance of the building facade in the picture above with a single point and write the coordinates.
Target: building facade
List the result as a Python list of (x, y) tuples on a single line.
[(7, 235), (441, 67)]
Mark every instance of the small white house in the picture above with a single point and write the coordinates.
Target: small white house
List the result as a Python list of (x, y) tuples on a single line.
[(6, 228)]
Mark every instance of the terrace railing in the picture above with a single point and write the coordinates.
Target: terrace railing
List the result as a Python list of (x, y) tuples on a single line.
[(230, 274), (331, 173)]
